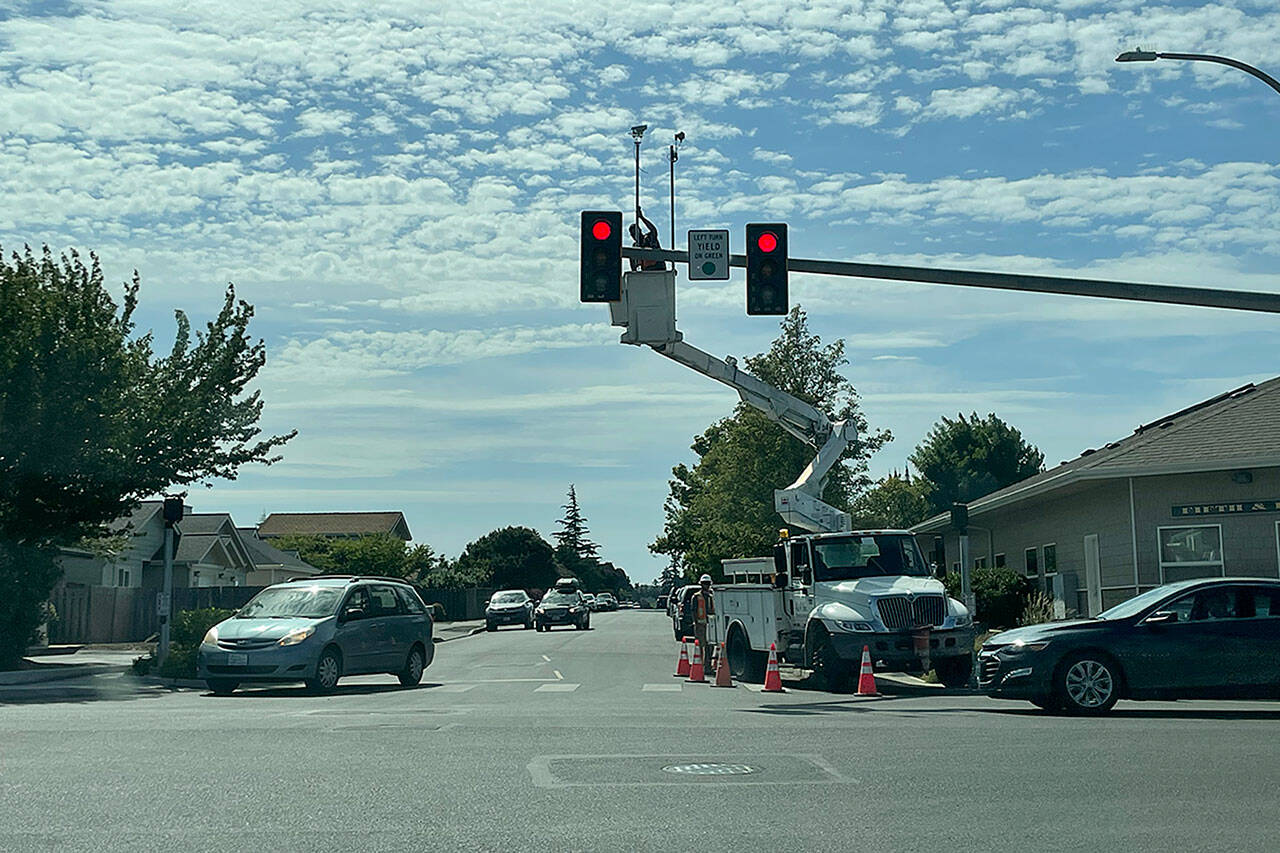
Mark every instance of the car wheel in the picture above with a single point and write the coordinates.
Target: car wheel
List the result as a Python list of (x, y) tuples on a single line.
[(222, 686), (744, 664), (830, 669), (954, 672), (1087, 683), (413, 667), (328, 671), (528, 625), (489, 626)]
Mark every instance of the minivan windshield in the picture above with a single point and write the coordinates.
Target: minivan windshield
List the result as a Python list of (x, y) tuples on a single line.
[(863, 556), (508, 598), (560, 599), (301, 602)]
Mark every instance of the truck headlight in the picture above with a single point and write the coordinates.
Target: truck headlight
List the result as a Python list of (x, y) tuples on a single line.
[(297, 635), (861, 627), (964, 620), (210, 636)]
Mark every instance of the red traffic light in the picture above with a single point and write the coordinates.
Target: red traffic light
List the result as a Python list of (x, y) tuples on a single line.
[(601, 230), (767, 241)]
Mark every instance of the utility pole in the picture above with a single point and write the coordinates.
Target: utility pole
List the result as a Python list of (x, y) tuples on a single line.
[(164, 606)]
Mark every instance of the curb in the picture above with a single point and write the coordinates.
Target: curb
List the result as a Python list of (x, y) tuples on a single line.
[(437, 640), (57, 672), (171, 682)]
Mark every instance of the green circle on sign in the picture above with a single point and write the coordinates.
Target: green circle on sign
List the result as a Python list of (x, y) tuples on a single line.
[(708, 268)]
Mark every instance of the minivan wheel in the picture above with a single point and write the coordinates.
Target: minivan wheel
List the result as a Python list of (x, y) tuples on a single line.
[(222, 686), (413, 667), (1087, 684), (328, 671)]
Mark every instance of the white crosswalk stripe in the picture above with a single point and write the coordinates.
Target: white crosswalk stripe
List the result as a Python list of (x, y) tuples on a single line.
[(558, 687), (663, 688)]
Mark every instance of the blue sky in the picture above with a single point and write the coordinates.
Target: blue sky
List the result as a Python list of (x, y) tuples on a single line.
[(395, 187)]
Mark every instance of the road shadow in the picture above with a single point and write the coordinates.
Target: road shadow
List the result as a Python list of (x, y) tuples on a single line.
[(300, 691), (78, 691), (1223, 714)]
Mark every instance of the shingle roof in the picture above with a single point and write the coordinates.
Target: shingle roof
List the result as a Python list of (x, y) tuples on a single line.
[(333, 523), (1236, 429), (263, 554), (204, 522), (192, 549), (138, 516)]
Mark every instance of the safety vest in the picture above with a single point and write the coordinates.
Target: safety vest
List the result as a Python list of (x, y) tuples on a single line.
[(700, 606)]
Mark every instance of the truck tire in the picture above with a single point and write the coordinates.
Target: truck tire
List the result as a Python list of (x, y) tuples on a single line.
[(744, 664), (829, 669), (954, 672)]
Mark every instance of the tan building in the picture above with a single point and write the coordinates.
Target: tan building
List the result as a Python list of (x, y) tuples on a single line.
[(1192, 494)]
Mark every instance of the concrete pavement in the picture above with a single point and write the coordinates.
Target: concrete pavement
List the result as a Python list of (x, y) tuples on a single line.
[(584, 741)]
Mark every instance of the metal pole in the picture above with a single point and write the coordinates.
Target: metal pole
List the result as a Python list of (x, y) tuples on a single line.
[(1169, 294), (637, 181), (672, 161), (166, 596), (1150, 56), (966, 573)]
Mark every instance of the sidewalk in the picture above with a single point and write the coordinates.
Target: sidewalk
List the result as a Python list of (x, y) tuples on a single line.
[(443, 632), (55, 667)]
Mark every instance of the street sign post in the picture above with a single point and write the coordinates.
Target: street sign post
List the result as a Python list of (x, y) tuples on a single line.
[(709, 255)]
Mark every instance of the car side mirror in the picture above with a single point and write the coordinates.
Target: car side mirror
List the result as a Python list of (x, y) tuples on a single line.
[(352, 613), (1164, 617), (806, 575)]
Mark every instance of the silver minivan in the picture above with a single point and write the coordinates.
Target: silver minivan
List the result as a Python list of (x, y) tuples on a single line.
[(316, 630)]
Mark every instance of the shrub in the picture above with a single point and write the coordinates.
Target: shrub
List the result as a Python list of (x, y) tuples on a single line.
[(1001, 594), (188, 629), (1037, 610)]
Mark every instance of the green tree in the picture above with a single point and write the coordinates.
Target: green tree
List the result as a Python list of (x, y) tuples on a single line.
[(894, 502), (967, 458), (91, 421), (722, 506), (513, 557), (572, 535)]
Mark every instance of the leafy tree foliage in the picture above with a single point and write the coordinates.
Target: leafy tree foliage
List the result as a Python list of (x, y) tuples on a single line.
[(572, 535), (967, 458), (894, 502), (91, 421), (371, 554), (1001, 594), (722, 506), (510, 558)]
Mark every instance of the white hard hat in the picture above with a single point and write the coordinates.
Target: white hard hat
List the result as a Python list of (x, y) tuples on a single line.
[(705, 579)]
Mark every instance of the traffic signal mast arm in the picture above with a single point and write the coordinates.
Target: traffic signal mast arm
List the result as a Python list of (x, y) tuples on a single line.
[(800, 504)]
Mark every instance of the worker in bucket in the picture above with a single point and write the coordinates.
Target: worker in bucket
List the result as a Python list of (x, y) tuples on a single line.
[(703, 608)]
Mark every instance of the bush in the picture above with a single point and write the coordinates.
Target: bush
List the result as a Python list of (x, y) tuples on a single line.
[(188, 629), (1037, 610), (1001, 594)]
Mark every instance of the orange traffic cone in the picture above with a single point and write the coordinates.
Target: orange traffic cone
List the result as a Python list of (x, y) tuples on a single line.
[(697, 672), (723, 676), (773, 678), (866, 677), (682, 666)]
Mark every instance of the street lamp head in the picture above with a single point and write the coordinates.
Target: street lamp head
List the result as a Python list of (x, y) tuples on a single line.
[(1138, 56)]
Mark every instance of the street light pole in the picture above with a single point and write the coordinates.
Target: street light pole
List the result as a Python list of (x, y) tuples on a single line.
[(1152, 56)]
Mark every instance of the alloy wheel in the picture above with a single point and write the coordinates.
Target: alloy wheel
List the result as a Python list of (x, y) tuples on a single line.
[(1089, 684)]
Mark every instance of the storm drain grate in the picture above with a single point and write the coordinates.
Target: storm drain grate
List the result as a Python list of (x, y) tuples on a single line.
[(709, 769)]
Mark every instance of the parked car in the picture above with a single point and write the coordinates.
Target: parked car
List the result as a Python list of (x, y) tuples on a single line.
[(590, 599), (317, 630), (508, 607), (661, 603), (1207, 639), (562, 608), (682, 614), (606, 602)]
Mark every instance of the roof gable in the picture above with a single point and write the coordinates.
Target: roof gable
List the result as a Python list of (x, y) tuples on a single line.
[(334, 524)]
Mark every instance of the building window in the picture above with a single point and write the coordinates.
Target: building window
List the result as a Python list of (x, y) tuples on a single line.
[(1050, 566), (122, 577), (1190, 552), (955, 567), (1033, 564), (999, 561), (980, 562)]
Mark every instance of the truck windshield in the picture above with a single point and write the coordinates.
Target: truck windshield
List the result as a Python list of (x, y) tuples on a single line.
[(852, 557)]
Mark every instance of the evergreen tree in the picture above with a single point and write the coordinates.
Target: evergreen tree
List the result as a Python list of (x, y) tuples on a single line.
[(966, 458), (572, 535)]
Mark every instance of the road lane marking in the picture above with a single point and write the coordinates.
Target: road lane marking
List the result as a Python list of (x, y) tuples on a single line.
[(559, 687), (662, 688), (547, 659), (557, 674), (455, 688)]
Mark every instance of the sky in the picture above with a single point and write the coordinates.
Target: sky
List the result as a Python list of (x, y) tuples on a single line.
[(396, 186)]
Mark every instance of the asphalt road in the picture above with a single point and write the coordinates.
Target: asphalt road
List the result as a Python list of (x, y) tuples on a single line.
[(570, 741)]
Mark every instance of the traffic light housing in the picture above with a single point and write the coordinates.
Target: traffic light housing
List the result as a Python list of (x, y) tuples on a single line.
[(767, 268), (600, 277)]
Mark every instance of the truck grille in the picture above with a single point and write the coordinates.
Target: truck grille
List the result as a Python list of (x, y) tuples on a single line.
[(924, 611)]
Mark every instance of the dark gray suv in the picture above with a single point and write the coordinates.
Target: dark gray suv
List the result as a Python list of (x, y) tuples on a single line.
[(317, 630)]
